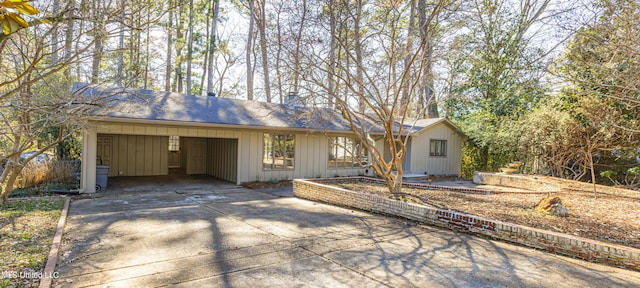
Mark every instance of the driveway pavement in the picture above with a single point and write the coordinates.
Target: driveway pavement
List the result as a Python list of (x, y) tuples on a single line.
[(220, 235)]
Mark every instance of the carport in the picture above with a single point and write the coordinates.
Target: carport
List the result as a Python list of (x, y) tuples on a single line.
[(158, 155)]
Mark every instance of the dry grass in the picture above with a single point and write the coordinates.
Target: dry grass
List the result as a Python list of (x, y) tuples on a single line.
[(26, 230), (607, 217), (48, 172)]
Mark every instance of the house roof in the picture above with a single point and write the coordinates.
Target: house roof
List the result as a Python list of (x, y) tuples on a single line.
[(136, 104), (126, 104), (422, 124)]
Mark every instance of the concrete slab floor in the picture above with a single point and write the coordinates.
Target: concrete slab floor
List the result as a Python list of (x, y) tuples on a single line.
[(227, 236)]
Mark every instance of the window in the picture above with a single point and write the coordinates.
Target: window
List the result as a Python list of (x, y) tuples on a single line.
[(346, 152), (438, 148), (174, 143), (279, 151)]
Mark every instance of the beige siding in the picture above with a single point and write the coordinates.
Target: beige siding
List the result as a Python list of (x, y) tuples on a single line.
[(311, 156), (222, 158), (246, 156), (138, 142), (136, 155), (421, 162)]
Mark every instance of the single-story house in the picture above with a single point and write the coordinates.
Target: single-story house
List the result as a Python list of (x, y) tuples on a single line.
[(146, 133)]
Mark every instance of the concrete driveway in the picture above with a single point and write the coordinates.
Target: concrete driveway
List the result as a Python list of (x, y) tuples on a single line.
[(220, 235)]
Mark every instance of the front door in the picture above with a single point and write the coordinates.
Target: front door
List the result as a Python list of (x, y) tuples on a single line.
[(197, 156), (105, 150), (406, 161)]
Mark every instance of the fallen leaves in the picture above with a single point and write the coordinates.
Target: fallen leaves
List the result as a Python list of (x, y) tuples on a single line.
[(605, 217)]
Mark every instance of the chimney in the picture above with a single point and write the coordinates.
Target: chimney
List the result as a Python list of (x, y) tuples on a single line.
[(292, 98)]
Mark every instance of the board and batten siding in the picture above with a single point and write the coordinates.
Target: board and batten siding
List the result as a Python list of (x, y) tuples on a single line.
[(311, 152), (135, 155), (311, 157), (222, 158), (128, 163), (422, 162)]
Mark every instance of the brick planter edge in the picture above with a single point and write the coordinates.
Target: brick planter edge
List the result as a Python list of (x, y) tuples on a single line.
[(578, 247)]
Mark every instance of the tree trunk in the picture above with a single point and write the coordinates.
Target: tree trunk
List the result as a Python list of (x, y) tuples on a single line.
[(278, 65), (168, 67), (249, 51), (591, 164), (262, 30), (426, 100), (98, 47), (212, 44), (190, 47), (179, 36), (68, 41), (9, 184), (3, 177), (146, 46), (406, 93), (97, 58), (54, 34), (84, 9), (333, 49), (358, 50), (204, 71), (137, 51), (296, 56), (394, 185), (120, 68), (484, 158), (207, 49)]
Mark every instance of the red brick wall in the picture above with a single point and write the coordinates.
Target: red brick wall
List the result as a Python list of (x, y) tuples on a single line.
[(578, 247)]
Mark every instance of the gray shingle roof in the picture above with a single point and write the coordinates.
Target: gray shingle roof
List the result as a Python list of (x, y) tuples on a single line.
[(139, 104)]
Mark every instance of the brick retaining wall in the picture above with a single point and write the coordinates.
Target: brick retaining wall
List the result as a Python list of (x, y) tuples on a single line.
[(578, 247), (515, 181), (378, 181)]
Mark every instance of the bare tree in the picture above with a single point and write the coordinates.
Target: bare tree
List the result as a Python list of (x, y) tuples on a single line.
[(375, 82), (34, 93), (168, 65), (179, 46), (190, 47), (120, 65), (261, 18), (98, 11), (426, 100), (212, 43), (298, 45), (250, 50), (333, 49)]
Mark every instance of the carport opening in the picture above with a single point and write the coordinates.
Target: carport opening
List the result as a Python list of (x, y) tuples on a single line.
[(145, 155)]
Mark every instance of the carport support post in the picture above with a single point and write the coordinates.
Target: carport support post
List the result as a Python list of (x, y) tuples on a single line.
[(89, 154)]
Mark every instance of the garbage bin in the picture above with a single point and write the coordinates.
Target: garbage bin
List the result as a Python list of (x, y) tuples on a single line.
[(102, 175)]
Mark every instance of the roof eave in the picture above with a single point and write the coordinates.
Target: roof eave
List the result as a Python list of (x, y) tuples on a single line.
[(210, 125)]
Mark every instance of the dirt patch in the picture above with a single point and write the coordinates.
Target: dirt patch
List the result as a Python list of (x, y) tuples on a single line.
[(261, 185), (607, 217)]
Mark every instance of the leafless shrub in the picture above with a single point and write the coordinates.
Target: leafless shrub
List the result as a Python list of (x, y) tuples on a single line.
[(35, 173)]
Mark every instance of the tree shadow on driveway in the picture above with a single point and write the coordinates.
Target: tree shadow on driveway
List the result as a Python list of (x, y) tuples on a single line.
[(235, 237)]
